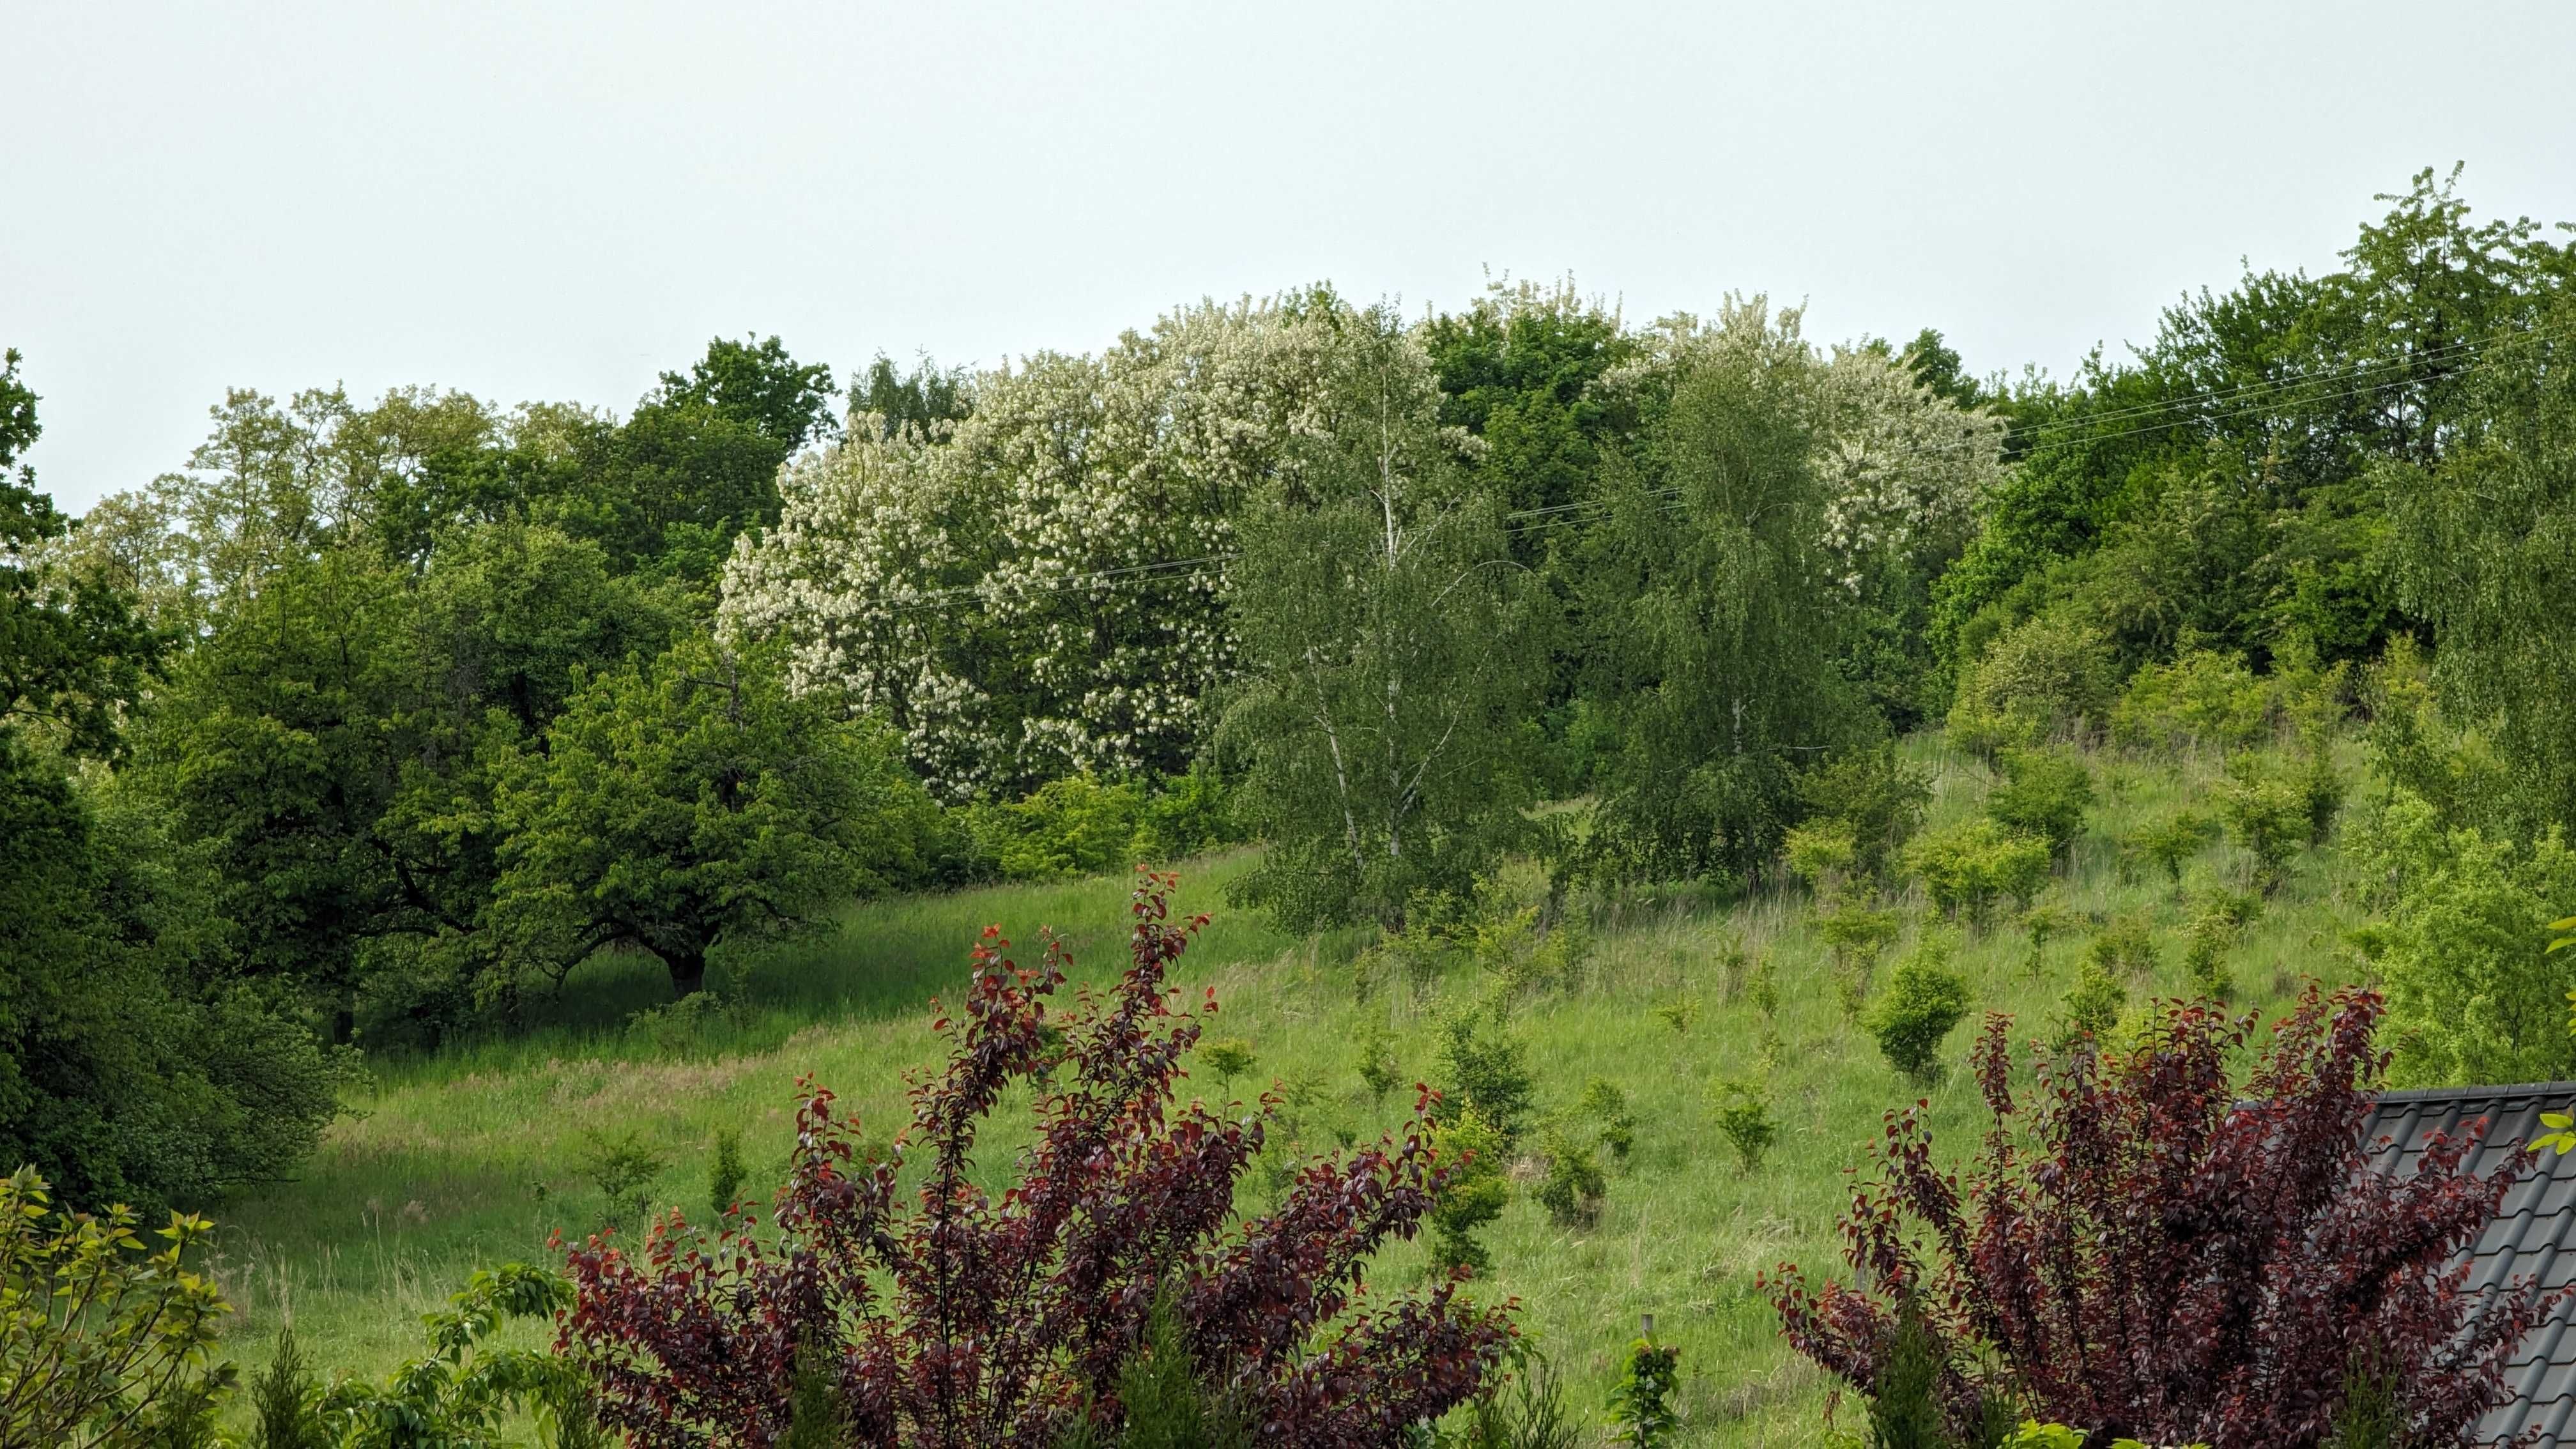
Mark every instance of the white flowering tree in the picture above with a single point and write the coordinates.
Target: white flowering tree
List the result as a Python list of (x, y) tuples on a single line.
[(1904, 467), (1042, 588)]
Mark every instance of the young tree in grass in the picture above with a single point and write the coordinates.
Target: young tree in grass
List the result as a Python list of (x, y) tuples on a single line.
[(691, 803), (1393, 648)]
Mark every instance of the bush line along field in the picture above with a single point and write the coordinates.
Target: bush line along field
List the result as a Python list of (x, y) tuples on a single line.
[(472, 1157)]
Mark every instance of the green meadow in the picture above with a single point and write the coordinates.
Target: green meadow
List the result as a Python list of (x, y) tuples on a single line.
[(475, 1156)]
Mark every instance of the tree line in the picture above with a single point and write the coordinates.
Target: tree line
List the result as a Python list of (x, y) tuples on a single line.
[(379, 718)]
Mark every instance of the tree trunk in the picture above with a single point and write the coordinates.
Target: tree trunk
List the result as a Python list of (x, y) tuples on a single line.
[(688, 972)]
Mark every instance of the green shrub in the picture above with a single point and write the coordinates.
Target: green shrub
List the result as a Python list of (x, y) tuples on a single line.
[(2125, 946), (1573, 1187), (1603, 1103), (1380, 1072), (1166, 1404), (1967, 867), (1877, 795), (2045, 678), (623, 1169), (2474, 994), (725, 1173), (2093, 1006), (1485, 1071), (1229, 1057), (1821, 854), (2321, 790), (1857, 935), (467, 1389), (2042, 924), (2171, 842), (1474, 1195), (1743, 1113), (2045, 793), (1905, 1392), (1071, 827), (102, 1340), (2202, 700), (283, 1400), (2204, 954), (1190, 815), (1680, 1013), (2267, 815), (1923, 1001), (1641, 1403)]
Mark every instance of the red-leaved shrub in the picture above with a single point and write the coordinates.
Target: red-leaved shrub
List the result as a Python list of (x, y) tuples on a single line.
[(956, 1318), (2161, 1257)]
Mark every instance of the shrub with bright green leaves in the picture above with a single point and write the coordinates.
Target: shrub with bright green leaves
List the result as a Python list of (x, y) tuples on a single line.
[(1641, 1404), (1856, 934), (2042, 924), (1875, 794), (1080, 826), (1228, 1057), (467, 1389), (1380, 1071), (2171, 842), (1166, 1403), (2204, 954), (1075, 826), (1924, 1000), (1574, 1186), (2267, 815), (2093, 1006), (2045, 793), (103, 1339), (1821, 854), (725, 1174), (2125, 946), (2046, 678), (623, 1168), (1969, 866), (1475, 1194), (1603, 1103), (2474, 995), (1743, 1113), (1484, 1071), (2202, 700)]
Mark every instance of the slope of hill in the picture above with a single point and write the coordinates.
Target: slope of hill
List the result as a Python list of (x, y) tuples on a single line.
[(474, 1157)]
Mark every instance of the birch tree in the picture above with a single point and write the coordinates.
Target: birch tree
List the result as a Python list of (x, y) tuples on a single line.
[(1392, 650)]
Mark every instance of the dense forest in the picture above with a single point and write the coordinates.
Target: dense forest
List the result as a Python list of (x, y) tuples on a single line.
[(371, 728)]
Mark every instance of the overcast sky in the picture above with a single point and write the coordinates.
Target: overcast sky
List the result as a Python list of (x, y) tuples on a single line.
[(558, 201)]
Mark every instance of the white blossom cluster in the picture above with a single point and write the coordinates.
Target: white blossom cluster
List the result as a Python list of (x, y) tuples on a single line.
[(1042, 589), (1903, 467)]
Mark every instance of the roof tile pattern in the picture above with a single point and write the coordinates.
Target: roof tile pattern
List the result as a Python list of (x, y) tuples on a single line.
[(2533, 1232)]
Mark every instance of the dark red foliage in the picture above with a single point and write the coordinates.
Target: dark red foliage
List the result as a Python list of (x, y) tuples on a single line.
[(2160, 1258), (956, 1319)]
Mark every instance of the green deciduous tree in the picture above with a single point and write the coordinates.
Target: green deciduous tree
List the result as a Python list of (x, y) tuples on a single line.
[(2486, 544), (1712, 603), (690, 803), (2473, 996), (1393, 648)]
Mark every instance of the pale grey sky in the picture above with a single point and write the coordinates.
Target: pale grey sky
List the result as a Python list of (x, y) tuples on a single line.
[(557, 201)]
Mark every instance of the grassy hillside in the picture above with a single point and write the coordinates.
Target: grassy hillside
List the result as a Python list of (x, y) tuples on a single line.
[(472, 1158)]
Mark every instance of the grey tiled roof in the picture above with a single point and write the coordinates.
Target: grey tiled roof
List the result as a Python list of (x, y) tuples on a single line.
[(2533, 1233)]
